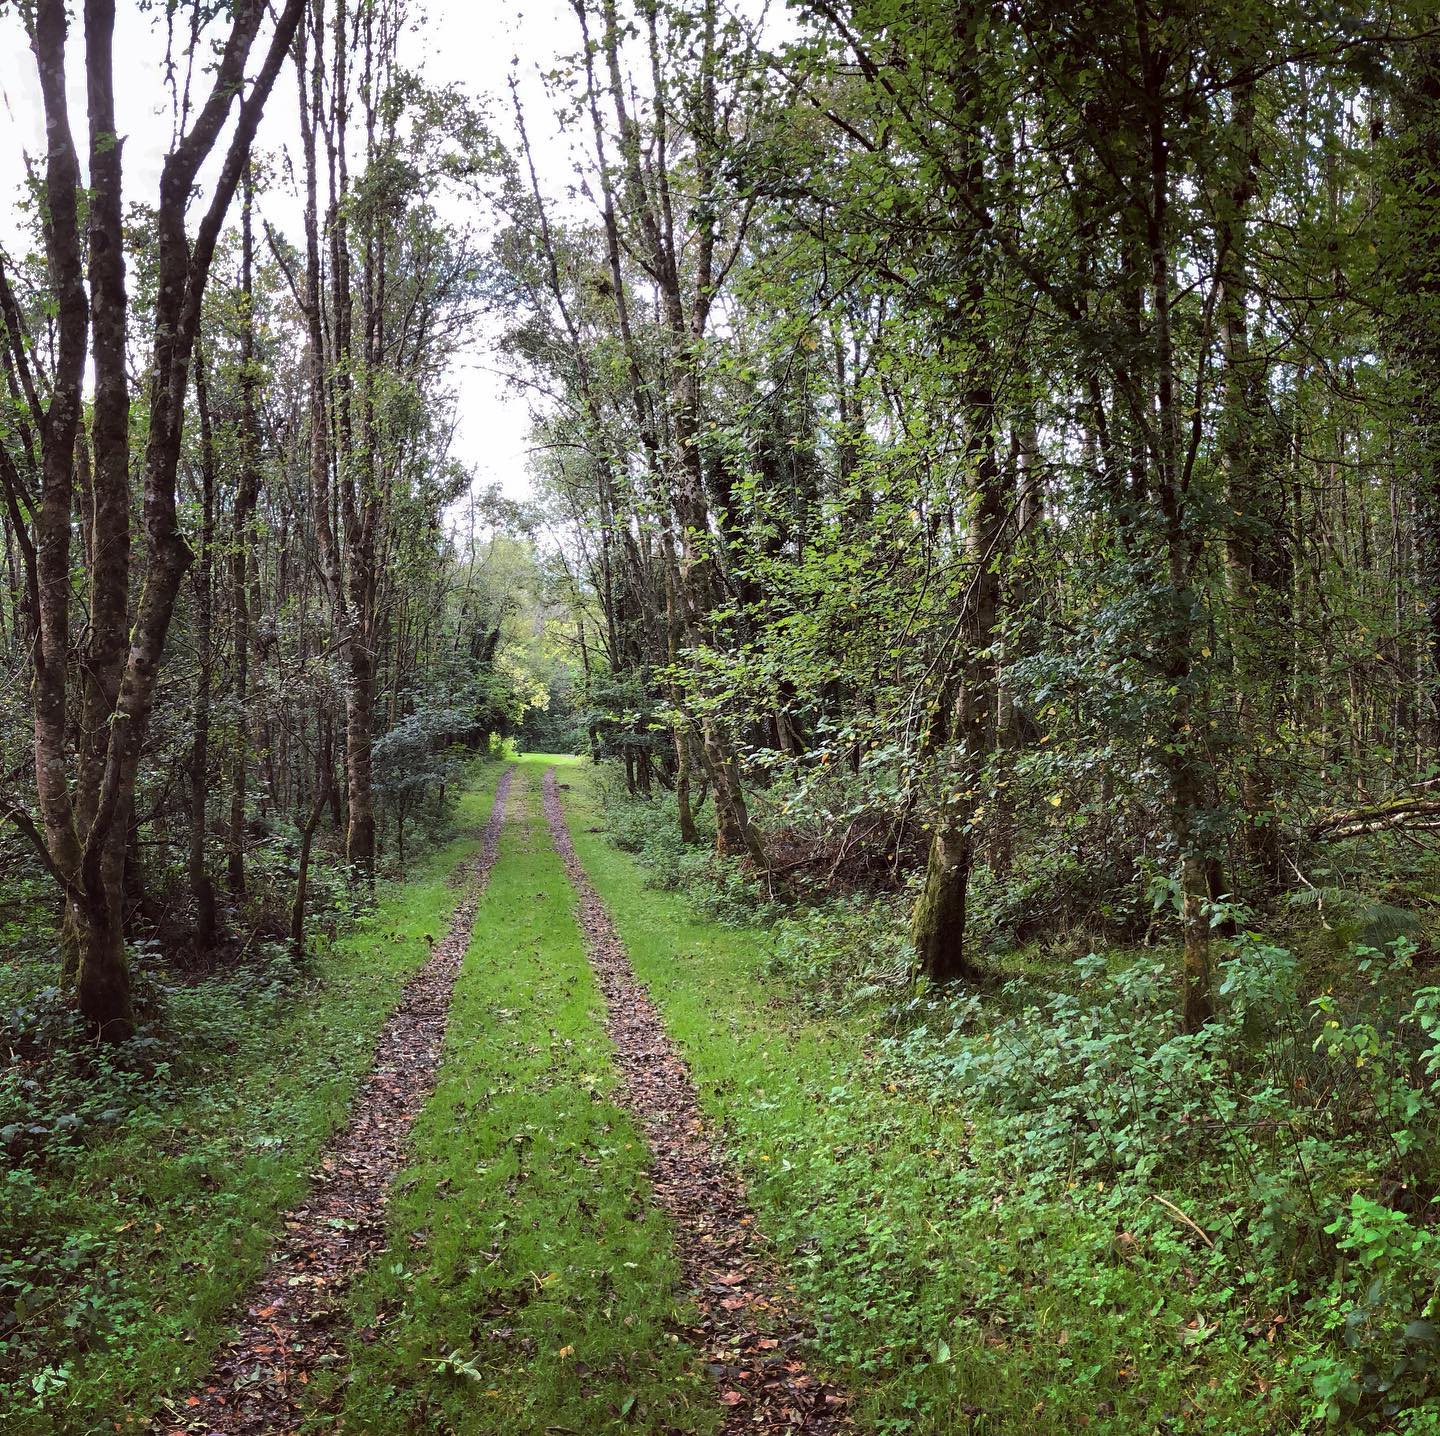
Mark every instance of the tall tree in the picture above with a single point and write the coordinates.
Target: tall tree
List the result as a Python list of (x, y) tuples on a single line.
[(86, 810)]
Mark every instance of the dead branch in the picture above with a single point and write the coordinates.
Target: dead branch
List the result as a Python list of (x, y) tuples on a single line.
[(1415, 810)]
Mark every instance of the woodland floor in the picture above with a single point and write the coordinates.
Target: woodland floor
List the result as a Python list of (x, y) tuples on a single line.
[(538, 1148), (333, 1330), (291, 1326)]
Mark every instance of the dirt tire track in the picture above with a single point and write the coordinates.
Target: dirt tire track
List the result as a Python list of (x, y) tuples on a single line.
[(292, 1325), (748, 1331)]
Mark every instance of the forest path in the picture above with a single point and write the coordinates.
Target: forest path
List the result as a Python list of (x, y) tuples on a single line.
[(293, 1326), (747, 1331)]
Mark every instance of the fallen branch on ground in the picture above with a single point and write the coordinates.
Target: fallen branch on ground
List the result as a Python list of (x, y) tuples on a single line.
[(1417, 809)]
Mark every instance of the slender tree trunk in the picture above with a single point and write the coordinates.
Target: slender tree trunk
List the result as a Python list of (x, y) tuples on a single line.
[(686, 295), (1415, 340), (1256, 546), (689, 833), (302, 869), (1180, 617), (58, 435), (938, 923), (359, 760), (242, 544), (201, 889)]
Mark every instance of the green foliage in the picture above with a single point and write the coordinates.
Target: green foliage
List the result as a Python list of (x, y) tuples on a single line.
[(624, 715), (1357, 919), (851, 955), (335, 898), (142, 1206), (723, 888), (1046, 1206), (416, 759)]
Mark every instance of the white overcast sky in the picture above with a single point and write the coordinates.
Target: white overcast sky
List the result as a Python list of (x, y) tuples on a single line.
[(475, 43)]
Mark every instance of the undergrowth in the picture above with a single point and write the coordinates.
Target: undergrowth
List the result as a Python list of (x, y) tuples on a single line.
[(141, 1182), (1042, 1205)]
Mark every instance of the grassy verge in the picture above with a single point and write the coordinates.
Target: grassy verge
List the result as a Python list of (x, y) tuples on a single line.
[(956, 1289), (528, 1284), (121, 1256)]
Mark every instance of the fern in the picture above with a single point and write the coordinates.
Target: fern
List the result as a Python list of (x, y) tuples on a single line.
[(1357, 919)]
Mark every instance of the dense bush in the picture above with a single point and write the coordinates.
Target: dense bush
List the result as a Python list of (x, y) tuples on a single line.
[(1301, 1136), (646, 827), (62, 1094), (1282, 1163)]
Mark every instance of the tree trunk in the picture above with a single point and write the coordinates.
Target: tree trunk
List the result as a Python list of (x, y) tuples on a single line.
[(939, 919), (201, 889), (938, 923), (735, 834), (686, 294), (359, 747), (689, 834), (242, 541), (1415, 338), (1180, 618), (302, 870), (1256, 547)]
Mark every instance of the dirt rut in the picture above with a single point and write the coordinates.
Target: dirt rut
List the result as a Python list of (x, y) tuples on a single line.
[(293, 1326), (749, 1333)]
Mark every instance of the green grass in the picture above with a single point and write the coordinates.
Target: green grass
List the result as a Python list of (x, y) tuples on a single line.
[(951, 1297), (528, 1283), (131, 1253)]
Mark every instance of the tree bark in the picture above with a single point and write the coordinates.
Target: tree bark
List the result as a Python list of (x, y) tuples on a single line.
[(242, 544), (686, 297), (938, 923), (1257, 550), (87, 829), (202, 890), (302, 868)]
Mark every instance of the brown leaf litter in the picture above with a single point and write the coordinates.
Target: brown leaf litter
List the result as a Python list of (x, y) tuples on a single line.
[(293, 1325), (747, 1330)]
